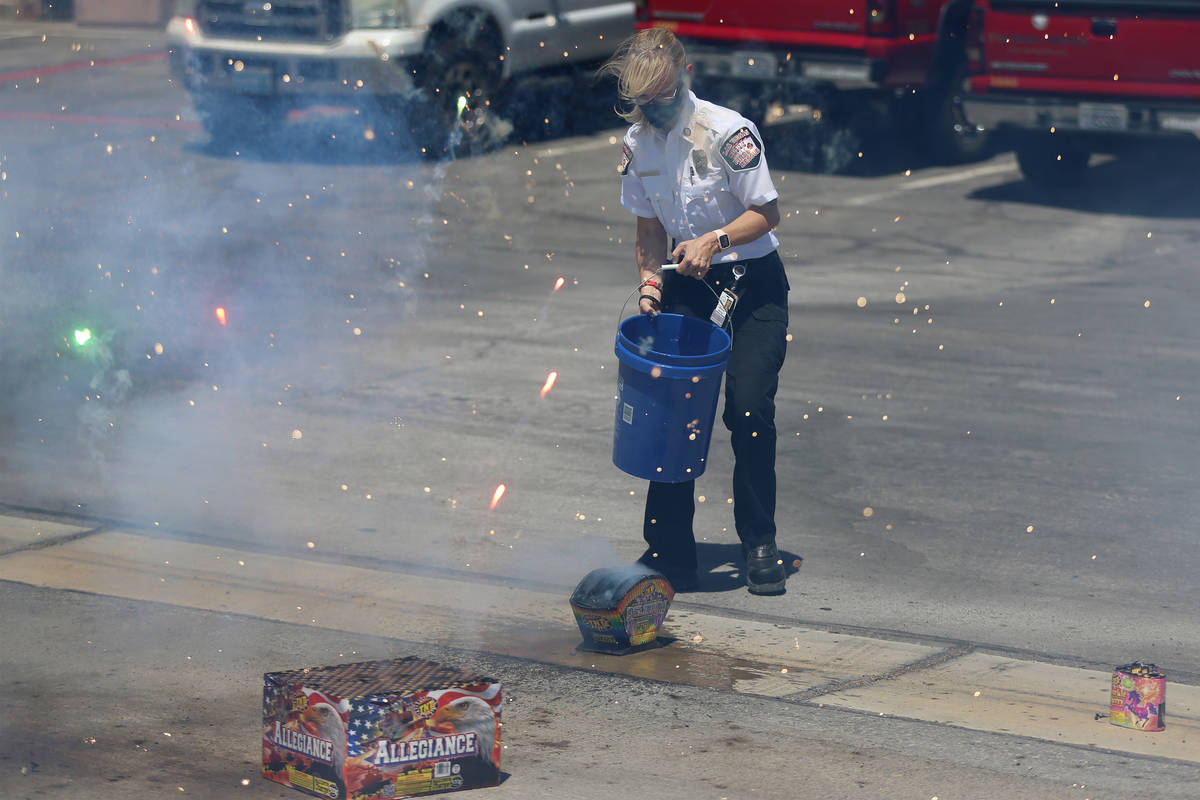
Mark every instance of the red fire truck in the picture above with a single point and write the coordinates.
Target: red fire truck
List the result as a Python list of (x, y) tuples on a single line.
[(844, 58), (1062, 79)]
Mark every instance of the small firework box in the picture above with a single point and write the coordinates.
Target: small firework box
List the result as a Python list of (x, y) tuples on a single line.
[(1139, 697), (620, 609), (381, 729)]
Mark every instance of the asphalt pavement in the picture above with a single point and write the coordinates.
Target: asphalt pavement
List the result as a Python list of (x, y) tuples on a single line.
[(985, 460)]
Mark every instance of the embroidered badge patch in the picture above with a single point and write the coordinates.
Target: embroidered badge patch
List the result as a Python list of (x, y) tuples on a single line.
[(741, 150), (626, 158)]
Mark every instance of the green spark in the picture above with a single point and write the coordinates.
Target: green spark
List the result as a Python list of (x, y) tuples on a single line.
[(82, 336)]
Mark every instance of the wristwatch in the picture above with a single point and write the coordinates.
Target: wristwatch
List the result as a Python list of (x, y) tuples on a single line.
[(722, 239)]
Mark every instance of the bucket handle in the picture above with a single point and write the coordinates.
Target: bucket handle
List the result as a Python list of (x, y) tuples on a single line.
[(659, 271)]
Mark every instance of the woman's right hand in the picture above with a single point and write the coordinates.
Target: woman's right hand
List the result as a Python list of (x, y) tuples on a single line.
[(651, 300)]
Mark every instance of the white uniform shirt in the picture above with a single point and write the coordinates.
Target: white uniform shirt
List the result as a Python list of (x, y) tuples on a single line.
[(699, 176)]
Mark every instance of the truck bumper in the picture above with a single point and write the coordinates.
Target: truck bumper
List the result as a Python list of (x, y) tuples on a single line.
[(375, 62), (794, 69), (1125, 118)]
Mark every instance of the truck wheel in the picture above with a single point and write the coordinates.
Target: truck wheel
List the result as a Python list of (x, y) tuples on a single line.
[(1052, 163), (459, 80), (238, 119), (951, 137)]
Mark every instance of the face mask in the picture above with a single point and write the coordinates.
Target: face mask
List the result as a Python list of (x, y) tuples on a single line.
[(662, 116)]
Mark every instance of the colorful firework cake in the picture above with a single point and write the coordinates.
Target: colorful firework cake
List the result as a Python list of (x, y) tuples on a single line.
[(381, 729), (620, 609), (1139, 697)]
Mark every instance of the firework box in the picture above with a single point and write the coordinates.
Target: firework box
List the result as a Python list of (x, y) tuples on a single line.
[(620, 609), (381, 729), (1139, 697)]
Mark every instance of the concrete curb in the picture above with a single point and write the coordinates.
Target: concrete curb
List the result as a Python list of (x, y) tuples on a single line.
[(948, 686)]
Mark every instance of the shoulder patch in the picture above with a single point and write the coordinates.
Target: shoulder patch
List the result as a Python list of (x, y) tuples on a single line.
[(626, 159), (742, 150)]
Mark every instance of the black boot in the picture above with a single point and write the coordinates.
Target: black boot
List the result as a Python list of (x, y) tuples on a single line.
[(764, 570)]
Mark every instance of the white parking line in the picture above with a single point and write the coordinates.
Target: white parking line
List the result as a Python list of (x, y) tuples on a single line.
[(579, 147), (936, 180)]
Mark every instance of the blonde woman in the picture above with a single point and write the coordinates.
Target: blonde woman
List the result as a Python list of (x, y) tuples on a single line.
[(695, 175)]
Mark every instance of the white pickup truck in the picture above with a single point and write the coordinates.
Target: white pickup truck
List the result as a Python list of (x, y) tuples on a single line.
[(433, 66)]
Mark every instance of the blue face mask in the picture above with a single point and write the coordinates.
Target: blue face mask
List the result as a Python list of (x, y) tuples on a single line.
[(663, 115)]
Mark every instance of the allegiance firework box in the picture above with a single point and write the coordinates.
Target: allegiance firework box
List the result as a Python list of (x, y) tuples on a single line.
[(381, 729), (620, 609), (1139, 697)]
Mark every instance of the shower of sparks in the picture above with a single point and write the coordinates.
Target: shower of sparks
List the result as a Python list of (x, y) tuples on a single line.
[(496, 495), (221, 314), (558, 284), (549, 384)]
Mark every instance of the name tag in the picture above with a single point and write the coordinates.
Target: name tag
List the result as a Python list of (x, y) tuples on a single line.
[(724, 308)]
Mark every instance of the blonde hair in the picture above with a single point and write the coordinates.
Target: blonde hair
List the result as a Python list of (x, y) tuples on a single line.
[(640, 63)]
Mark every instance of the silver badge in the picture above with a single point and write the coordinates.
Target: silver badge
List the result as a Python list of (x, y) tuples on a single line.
[(700, 161)]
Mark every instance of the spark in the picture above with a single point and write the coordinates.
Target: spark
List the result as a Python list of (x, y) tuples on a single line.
[(83, 336), (549, 384), (220, 312), (496, 495), (558, 284)]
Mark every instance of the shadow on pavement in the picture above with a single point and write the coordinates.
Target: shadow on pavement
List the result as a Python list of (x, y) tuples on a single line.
[(535, 108), (1145, 182), (713, 556), (557, 105)]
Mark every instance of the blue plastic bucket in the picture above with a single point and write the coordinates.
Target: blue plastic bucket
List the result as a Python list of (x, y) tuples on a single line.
[(667, 387)]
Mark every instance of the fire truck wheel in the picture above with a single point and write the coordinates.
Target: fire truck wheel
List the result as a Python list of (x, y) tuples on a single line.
[(1054, 163), (238, 119), (459, 80), (952, 138)]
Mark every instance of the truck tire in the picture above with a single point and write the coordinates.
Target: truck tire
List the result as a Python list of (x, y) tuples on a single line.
[(459, 81), (234, 119), (950, 137), (1052, 162)]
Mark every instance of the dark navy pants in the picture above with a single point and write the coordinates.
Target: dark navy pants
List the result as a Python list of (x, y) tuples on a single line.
[(759, 329)]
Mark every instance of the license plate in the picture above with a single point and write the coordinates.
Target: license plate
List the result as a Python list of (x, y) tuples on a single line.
[(846, 73), (1103, 116), (254, 80), (753, 64)]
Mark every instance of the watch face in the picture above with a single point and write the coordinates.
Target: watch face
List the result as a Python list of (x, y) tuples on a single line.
[(723, 240)]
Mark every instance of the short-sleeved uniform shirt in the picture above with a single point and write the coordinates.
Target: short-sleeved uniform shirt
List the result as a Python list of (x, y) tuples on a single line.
[(698, 176)]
